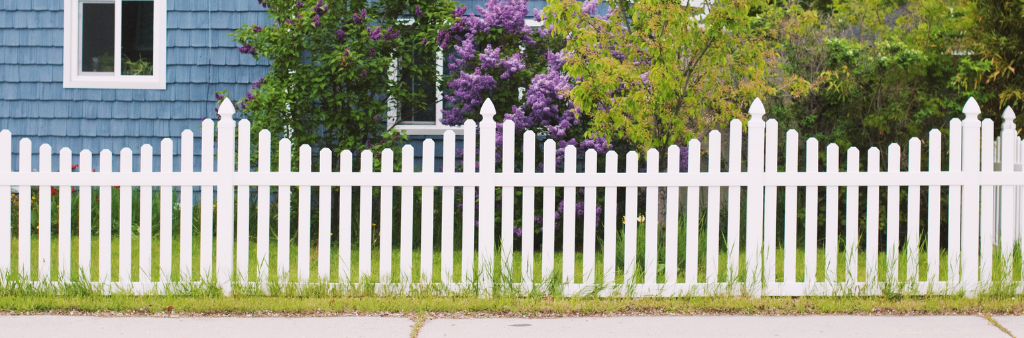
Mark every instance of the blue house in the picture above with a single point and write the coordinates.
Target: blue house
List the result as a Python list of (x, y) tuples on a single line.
[(109, 74)]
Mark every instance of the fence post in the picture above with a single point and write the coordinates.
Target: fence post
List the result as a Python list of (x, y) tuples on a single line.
[(755, 195), (971, 197), (225, 195), (487, 129)]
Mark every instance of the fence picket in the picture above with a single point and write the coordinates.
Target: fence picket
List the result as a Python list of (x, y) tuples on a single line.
[(5, 204), (671, 220), (305, 167), (831, 215), (789, 250), (426, 274), (64, 221), (892, 221), (590, 219), (324, 230), (487, 158), (468, 201), (166, 211), (913, 215), (611, 160), (692, 215), (105, 259), (263, 209), (345, 221), (934, 205), (569, 220), (732, 237), (871, 231), (387, 165), (284, 212), (25, 208), (852, 219), (206, 203), (145, 217), (124, 238), (448, 211), (185, 250), (242, 250), (630, 237), (547, 262), (45, 235), (771, 194), (987, 222), (528, 205), (811, 225), (651, 222), (508, 164), (226, 197), (405, 244), (85, 220), (954, 228), (714, 212), (1007, 220), (365, 218)]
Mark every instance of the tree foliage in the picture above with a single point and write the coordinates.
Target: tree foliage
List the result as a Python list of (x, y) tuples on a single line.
[(654, 73), (337, 67), (997, 47)]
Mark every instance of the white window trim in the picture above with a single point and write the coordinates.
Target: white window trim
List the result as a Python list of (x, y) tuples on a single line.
[(437, 129), (72, 48)]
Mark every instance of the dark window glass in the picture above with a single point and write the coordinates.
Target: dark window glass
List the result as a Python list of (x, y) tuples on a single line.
[(137, 38), (426, 115), (98, 37)]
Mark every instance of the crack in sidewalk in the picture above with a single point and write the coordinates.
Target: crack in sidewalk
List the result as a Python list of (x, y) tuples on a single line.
[(994, 323), (421, 320)]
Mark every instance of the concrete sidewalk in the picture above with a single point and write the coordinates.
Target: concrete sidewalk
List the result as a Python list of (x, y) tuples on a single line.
[(585, 327)]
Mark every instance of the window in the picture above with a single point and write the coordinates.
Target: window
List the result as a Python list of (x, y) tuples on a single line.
[(116, 44), (428, 121)]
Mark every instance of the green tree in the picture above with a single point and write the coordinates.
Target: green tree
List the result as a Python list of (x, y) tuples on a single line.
[(337, 67), (997, 48), (654, 73)]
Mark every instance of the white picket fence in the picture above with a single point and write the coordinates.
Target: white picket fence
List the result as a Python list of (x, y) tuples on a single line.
[(984, 213)]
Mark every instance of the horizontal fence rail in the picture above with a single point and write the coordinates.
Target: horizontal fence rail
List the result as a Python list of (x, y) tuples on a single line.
[(605, 224)]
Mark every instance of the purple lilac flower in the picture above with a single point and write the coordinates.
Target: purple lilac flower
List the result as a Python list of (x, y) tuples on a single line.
[(391, 34), (590, 7), (363, 75), (505, 14), (373, 52), (249, 96), (299, 4), (247, 49), (418, 13), (358, 18), (258, 83), (374, 33), (341, 35), (265, 5), (289, 22), (618, 55), (459, 11), (320, 7), (424, 43), (316, 20), (469, 87), (218, 96), (643, 77), (257, 29), (346, 52)]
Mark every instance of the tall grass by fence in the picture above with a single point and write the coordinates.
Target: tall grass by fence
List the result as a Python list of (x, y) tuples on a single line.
[(974, 247)]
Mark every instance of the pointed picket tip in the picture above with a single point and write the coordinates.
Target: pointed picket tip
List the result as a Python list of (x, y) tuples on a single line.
[(226, 110), (488, 111), (1008, 113), (972, 109), (757, 110)]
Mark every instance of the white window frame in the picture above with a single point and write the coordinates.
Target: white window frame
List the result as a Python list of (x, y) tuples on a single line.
[(436, 129), (74, 78)]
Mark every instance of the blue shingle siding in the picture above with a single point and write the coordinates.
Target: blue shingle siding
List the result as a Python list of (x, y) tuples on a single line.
[(201, 59)]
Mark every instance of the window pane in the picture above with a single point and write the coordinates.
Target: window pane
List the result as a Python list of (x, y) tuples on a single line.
[(98, 37), (137, 38), (428, 112)]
